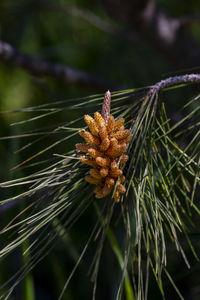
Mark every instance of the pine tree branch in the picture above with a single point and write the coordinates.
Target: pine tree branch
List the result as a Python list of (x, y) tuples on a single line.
[(173, 81), (156, 88), (41, 68)]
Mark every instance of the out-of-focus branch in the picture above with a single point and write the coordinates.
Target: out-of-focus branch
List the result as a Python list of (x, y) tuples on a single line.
[(40, 67), (97, 22), (189, 19), (164, 33)]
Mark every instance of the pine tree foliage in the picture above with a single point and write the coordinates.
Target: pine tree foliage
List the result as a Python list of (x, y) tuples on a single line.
[(158, 208)]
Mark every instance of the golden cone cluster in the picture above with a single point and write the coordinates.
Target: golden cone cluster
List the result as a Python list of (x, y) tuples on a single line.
[(106, 142)]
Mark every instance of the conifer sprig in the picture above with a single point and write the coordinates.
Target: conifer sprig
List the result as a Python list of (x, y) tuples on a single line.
[(157, 208)]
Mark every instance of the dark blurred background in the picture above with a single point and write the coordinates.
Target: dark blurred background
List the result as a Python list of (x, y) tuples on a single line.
[(57, 50)]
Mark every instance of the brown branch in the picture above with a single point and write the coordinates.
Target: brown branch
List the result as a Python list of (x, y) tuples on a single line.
[(41, 68), (173, 81), (189, 19), (164, 33)]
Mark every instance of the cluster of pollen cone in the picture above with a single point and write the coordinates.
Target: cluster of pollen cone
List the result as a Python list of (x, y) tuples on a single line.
[(106, 142)]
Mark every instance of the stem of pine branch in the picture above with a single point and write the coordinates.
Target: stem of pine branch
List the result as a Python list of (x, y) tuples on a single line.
[(172, 81)]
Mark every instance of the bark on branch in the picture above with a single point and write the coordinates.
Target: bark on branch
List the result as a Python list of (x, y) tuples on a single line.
[(40, 67), (173, 81)]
